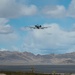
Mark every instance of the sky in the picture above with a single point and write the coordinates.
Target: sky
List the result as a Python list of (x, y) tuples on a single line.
[(58, 15)]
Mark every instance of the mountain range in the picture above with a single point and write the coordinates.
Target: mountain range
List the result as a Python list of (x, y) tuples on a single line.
[(27, 58)]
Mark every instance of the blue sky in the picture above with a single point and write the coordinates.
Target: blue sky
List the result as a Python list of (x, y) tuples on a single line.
[(58, 14)]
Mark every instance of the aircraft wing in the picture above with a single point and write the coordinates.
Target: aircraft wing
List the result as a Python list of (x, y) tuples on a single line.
[(32, 27), (45, 27), (27, 28)]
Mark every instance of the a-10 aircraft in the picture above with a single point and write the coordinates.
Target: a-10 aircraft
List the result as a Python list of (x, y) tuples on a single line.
[(37, 27)]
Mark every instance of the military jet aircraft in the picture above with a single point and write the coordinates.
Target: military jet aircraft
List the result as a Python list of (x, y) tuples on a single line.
[(37, 27)]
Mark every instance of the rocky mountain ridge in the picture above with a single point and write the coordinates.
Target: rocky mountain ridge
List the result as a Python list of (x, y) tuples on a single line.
[(27, 58)]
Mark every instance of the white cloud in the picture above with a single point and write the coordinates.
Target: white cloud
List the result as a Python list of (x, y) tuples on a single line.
[(4, 27), (60, 11), (13, 8), (3, 49), (50, 40), (8, 38), (55, 11), (28, 10), (71, 9), (14, 48), (7, 32)]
